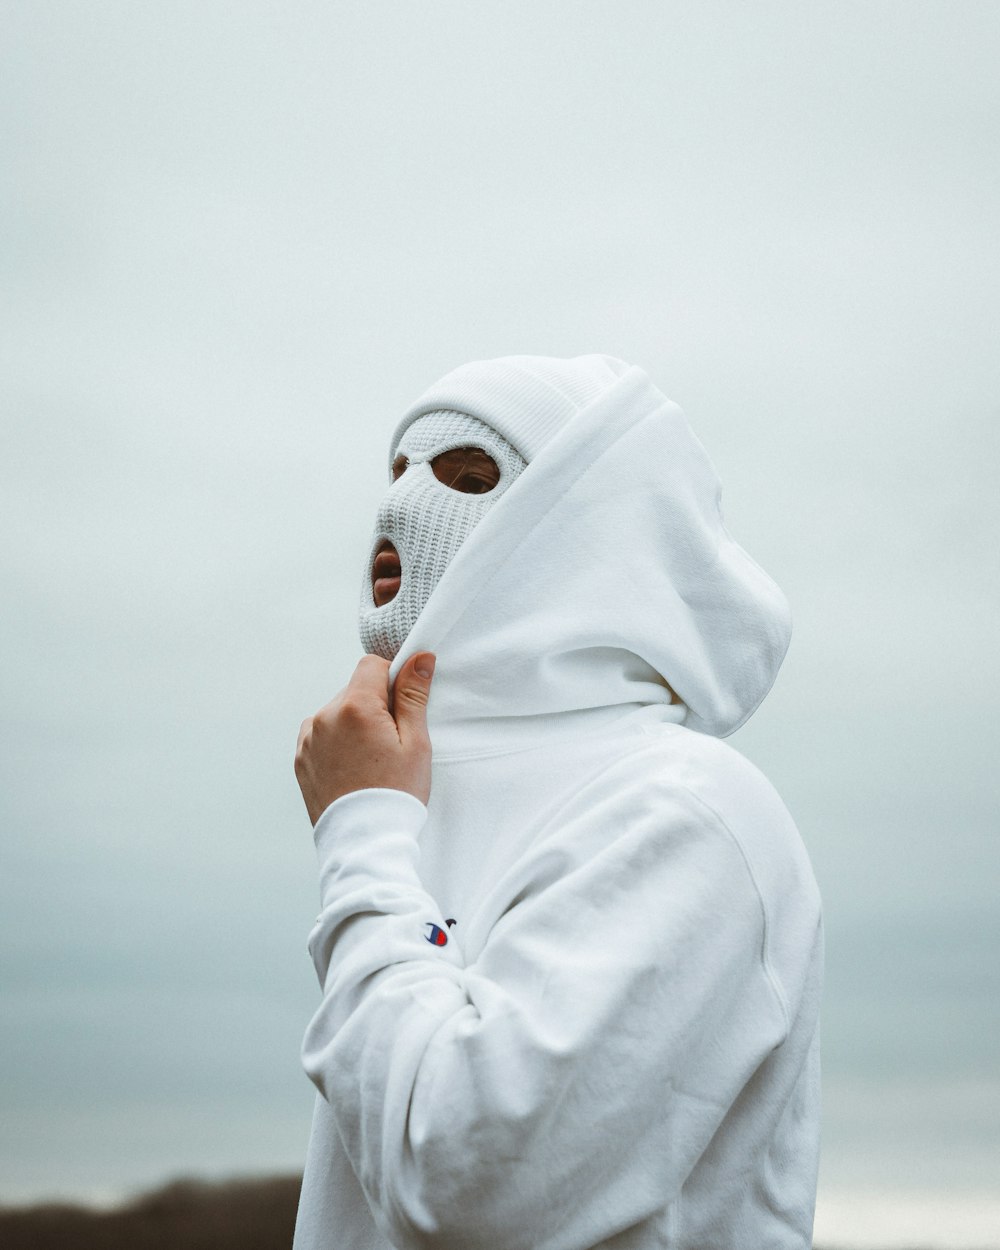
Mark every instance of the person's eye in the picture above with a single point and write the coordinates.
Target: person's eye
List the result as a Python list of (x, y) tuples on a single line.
[(466, 469), (399, 466), (472, 485)]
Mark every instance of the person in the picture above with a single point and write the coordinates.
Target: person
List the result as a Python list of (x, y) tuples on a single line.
[(570, 943)]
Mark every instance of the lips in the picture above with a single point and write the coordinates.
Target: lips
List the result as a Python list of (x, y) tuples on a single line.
[(386, 574)]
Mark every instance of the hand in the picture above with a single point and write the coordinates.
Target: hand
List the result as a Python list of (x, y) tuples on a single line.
[(357, 741)]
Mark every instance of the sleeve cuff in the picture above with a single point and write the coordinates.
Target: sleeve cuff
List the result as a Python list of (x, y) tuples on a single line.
[(353, 826)]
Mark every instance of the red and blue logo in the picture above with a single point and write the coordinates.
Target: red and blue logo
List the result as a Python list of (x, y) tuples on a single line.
[(435, 935)]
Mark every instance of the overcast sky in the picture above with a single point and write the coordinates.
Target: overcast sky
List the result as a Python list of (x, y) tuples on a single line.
[(236, 239)]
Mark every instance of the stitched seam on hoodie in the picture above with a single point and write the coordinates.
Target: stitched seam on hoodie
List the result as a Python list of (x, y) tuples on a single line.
[(765, 958), (546, 744)]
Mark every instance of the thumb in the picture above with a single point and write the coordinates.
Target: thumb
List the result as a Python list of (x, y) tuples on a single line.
[(411, 691)]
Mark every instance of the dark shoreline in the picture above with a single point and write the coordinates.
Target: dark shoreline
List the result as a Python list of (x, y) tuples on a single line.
[(186, 1214), (252, 1214)]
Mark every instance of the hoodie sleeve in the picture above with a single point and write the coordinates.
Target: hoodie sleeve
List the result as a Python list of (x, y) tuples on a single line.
[(561, 1087)]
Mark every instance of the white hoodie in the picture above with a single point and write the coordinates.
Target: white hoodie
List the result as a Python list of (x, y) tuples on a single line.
[(573, 1002)]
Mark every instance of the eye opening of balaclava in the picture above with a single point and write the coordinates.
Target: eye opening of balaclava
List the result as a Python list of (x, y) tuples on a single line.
[(427, 521)]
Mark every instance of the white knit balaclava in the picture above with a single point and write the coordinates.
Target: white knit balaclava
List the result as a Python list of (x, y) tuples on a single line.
[(427, 521)]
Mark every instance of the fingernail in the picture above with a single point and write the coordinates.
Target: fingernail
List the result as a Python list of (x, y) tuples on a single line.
[(424, 666)]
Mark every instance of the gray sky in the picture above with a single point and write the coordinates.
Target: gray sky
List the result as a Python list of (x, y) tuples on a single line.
[(235, 241)]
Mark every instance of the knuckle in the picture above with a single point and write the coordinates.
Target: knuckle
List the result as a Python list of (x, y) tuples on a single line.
[(372, 664), (327, 716), (351, 710)]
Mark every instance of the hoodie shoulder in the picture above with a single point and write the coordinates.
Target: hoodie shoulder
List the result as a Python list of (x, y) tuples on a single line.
[(709, 767), (717, 779)]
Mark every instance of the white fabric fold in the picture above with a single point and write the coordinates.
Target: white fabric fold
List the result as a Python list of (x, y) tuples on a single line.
[(616, 1045)]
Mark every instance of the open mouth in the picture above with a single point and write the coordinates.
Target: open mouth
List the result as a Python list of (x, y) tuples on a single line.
[(386, 574)]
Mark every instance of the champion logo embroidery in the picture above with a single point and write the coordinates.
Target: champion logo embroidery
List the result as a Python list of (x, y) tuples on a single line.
[(435, 934)]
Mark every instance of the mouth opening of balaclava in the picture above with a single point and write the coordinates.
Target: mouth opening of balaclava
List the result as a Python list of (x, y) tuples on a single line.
[(427, 521)]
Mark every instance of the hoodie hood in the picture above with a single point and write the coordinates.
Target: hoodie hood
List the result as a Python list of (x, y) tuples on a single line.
[(527, 399), (605, 571)]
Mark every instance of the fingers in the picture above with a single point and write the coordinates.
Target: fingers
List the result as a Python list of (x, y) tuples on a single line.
[(368, 688), (355, 743), (367, 692), (410, 694), (370, 679)]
